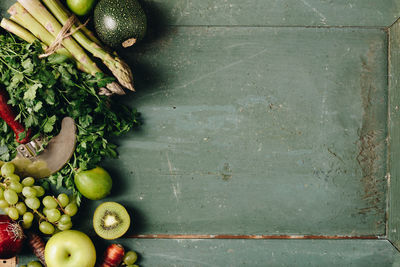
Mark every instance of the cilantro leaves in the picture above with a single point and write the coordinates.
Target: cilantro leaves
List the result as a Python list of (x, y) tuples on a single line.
[(43, 91)]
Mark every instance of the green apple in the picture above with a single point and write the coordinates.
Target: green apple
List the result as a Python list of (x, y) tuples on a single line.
[(94, 184), (70, 248)]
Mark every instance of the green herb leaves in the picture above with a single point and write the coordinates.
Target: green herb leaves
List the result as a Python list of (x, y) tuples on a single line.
[(43, 91)]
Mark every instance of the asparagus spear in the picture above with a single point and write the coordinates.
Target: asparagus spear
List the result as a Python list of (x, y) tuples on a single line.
[(118, 67), (40, 13), (17, 30), (28, 37), (44, 17), (23, 18), (84, 29)]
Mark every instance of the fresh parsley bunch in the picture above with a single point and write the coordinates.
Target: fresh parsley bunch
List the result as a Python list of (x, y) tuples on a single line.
[(44, 91)]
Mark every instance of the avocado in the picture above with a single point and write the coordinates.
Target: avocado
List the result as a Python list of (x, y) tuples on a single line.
[(120, 23)]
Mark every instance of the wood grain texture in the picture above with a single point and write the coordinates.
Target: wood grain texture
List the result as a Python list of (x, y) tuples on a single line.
[(254, 129), (295, 237), (323, 13), (8, 262), (257, 131), (394, 134), (260, 253)]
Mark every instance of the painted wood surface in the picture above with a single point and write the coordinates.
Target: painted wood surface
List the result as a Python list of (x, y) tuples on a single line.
[(324, 13), (258, 131), (254, 127), (394, 134), (261, 253), (276, 12)]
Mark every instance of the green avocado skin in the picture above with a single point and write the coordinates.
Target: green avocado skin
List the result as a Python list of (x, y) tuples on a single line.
[(93, 184), (116, 21)]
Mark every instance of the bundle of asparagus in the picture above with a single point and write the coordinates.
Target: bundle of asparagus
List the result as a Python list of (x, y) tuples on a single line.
[(31, 20)]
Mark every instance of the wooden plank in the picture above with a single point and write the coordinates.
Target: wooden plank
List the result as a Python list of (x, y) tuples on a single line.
[(361, 13), (254, 253), (8, 262), (394, 134), (257, 131), (275, 12)]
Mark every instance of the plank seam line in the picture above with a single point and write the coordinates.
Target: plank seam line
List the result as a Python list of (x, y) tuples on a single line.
[(255, 237), (388, 125)]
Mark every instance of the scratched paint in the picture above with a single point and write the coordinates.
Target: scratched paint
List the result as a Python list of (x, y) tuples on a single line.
[(258, 133), (229, 134), (393, 224), (276, 12), (373, 133)]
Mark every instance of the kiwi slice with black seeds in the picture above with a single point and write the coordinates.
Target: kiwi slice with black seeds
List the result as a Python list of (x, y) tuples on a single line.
[(111, 220)]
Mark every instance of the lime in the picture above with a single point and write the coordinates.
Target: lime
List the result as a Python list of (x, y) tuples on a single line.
[(94, 184), (81, 7)]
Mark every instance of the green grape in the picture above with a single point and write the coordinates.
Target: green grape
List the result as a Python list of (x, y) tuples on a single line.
[(29, 192), (26, 225), (64, 219), (28, 181), (133, 265), (46, 228), (40, 190), (10, 196), (130, 257), (34, 264), (49, 202), (3, 204), (13, 177), (45, 210), (6, 209), (21, 207), (1, 193), (71, 209), (13, 213), (16, 186), (32, 203), (63, 199), (28, 217), (23, 266), (7, 169), (63, 227), (53, 215)]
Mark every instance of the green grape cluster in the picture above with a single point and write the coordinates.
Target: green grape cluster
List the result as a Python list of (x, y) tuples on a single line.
[(25, 200), (130, 259)]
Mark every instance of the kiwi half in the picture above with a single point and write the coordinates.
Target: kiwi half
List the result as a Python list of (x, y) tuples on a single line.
[(111, 220)]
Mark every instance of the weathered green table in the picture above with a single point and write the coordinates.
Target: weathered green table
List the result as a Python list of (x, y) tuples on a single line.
[(271, 135)]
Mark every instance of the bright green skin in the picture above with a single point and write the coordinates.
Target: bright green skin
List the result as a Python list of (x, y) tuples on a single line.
[(70, 248), (34, 264), (94, 184), (116, 21), (81, 7)]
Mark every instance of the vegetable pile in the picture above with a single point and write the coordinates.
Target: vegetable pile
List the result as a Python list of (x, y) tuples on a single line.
[(49, 71), (43, 91)]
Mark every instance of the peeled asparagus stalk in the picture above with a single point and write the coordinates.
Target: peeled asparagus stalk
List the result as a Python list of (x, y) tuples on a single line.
[(23, 18), (24, 34), (84, 29), (118, 67), (17, 30), (39, 12)]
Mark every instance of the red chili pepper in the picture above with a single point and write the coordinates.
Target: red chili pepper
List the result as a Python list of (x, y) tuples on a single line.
[(7, 114)]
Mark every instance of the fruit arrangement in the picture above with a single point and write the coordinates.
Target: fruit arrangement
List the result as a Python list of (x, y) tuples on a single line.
[(23, 199), (49, 73)]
